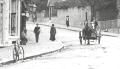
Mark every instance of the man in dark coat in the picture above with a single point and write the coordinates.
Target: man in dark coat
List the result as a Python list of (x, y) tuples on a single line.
[(52, 33), (37, 32), (87, 32), (67, 21)]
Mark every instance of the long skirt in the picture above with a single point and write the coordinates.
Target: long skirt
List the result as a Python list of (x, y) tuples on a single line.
[(37, 38), (52, 37)]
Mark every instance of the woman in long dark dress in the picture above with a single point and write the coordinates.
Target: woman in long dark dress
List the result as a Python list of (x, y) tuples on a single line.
[(52, 33)]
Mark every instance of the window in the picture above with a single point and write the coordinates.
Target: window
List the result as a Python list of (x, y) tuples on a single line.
[(13, 18), (13, 24)]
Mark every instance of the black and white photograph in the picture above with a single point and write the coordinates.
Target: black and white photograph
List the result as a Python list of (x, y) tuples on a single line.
[(59, 34)]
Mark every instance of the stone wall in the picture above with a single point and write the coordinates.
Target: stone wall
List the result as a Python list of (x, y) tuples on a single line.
[(109, 19)]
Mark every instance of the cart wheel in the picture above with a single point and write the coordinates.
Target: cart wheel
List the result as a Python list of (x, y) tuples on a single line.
[(21, 52), (15, 55), (85, 39), (99, 36), (81, 40), (99, 39)]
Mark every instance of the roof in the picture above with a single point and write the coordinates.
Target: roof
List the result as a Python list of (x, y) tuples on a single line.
[(67, 3), (1, 1), (52, 2)]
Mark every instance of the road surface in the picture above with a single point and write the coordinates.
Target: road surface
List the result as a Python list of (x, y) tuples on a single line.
[(75, 56)]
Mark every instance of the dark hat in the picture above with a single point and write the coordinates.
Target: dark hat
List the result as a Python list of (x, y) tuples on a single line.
[(67, 16), (52, 24), (37, 24)]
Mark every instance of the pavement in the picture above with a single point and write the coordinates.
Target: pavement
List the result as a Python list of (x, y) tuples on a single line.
[(31, 49), (60, 26), (45, 46)]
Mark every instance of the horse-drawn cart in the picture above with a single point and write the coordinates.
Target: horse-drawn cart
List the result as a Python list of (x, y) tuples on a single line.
[(88, 34)]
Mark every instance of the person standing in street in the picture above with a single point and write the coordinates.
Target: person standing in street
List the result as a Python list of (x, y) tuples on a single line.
[(37, 32), (23, 38), (67, 21), (27, 15), (52, 33), (95, 23)]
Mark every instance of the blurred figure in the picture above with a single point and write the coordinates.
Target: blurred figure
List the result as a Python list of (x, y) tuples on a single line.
[(85, 22), (27, 15), (67, 21), (52, 33), (23, 37), (80, 37), (34, 17), (37, 32), (94, 23)]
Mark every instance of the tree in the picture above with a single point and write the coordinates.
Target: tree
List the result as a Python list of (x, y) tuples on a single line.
[(68, 4), (98, 5), (41, 4)]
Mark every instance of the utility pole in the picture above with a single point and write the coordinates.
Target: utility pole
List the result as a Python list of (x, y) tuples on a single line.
[(93, 11), (49, 12), (86, 16)]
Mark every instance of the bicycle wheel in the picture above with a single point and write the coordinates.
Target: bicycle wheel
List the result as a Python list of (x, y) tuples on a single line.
[(21, 53), (15, 55), (80, 37)]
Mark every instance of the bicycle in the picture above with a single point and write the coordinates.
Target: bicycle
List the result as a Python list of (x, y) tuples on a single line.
[(18, 51)]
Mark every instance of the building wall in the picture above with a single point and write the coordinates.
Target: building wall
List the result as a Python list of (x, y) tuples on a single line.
[(1, 23), (6, 21), (5, 36), (77, 16), (118, 6)]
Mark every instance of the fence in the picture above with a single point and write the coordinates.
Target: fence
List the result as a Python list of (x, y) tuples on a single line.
[(110, 26)]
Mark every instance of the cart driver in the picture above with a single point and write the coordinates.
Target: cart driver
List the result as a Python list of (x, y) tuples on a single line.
[(87, 32)]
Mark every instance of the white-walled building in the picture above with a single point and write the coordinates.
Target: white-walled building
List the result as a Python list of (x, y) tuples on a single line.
[(77, 15), (10, 11)]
